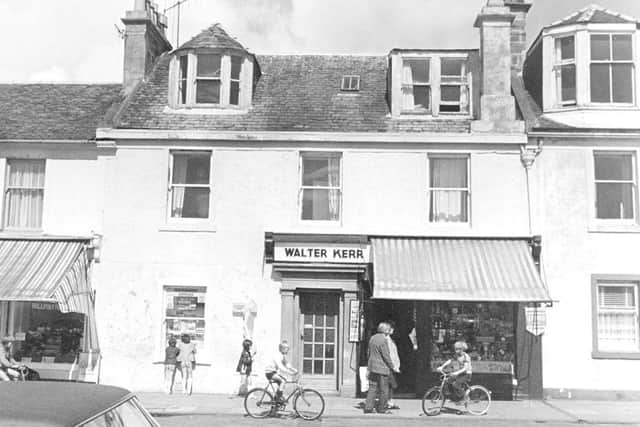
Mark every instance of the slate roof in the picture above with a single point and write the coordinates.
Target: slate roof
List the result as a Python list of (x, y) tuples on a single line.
[(294, 93), (594, 14), (55, 111), (213, 37)]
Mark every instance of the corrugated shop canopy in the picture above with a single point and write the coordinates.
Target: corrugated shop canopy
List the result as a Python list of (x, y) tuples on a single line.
[(45, 270), (438, 269)]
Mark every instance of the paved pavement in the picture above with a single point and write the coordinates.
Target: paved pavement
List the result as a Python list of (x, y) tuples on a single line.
[(555, 412)]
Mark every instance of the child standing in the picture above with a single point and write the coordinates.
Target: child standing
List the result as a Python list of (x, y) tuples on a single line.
[(244, 366), (170, 361), (187, 362)]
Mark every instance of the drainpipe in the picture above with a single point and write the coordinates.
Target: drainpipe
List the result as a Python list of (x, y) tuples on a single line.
[(527, 158)]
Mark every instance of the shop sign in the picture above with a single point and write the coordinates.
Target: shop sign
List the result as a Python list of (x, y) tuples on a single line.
[(482, 366), (45, 306), (322, 253), (354, 321), (536, 318)]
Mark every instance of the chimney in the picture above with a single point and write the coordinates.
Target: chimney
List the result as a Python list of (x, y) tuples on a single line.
[(497, 105), (520, 9), (144, 41)]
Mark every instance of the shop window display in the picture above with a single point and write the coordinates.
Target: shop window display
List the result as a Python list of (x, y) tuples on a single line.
[(488, 329), (184, 313), (44, 334)]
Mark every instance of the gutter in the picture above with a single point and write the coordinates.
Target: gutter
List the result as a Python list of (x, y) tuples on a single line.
[(297, 136)]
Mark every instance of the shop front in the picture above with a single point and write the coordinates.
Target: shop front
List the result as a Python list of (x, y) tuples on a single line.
[(438, 291), (321, 280), (47, 306)]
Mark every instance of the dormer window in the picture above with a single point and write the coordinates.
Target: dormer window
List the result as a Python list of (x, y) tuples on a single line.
[(611, 68), (204, 79), (430, 84)]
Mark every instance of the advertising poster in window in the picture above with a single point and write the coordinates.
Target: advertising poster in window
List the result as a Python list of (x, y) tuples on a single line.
[(184, 313)]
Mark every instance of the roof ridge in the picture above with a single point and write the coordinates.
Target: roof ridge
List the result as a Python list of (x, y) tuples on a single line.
[(586, 13)]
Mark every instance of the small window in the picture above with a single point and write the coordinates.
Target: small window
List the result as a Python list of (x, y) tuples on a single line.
[(449, 188), (416, 85), (24, 194), (612, 68), (190, 184), (617, 317), (565, 69), (350, 83), (616, 185), (183, 79), (320, 190)]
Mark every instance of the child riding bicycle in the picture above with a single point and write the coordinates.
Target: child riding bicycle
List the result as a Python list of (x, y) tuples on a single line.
[(460, 375), (278, 366)]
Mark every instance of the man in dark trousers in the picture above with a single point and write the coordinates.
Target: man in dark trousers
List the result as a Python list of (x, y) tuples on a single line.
[(379, 366)]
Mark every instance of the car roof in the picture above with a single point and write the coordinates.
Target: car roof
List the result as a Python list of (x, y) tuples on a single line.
[(42, 403)]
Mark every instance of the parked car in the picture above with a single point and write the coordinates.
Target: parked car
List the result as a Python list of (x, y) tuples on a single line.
[(49, 404)]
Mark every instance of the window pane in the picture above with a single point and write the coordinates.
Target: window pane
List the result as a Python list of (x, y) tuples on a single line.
[(614, 166), (321, 171), (235, 93), (236, 66), (416, 71), (189, 202), (618, 331), (600, 83), (306, 366), (321, 204), (191, 168), (208, 92), (328, 366), (616, 296), (448, 206), (614, 201), (422, 97), (331, 335), (452, 67), (318, 335), (600, 48), (567, 48), (450, 93), (319, 320), (622, 86), (209, 65), (308, 348), (568, 82), (329, 352), (308, 334), (622, 47), (317, 367), (182, 84), (448, 172)]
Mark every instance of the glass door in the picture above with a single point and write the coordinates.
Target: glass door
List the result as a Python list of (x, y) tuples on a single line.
[(319, 326)]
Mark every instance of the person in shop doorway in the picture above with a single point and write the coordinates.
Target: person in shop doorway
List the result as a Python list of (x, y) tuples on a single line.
[(379, 367), (186, 362), (170, 361), (244, 366), (459, 371), (279, 366), (395, 370), (8, 366)]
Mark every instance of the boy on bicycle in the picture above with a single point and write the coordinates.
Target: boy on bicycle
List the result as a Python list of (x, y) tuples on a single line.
[(460, 373), (278, 366)]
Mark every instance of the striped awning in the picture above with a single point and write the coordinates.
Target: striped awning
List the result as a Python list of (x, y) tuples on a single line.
[(439, 269), (46, 270)]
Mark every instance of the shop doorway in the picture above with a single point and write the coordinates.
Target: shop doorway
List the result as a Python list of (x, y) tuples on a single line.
[(403, 314), (319, 316)]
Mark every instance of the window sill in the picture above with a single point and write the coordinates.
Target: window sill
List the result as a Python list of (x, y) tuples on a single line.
[(593, 107), (614, 228), (206, 110), (188, 228), (613, 355), (320, 223)]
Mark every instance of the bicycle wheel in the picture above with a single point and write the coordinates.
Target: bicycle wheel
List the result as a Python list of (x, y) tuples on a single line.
[(478, 400), (432, 401), (308, 404), (259, 403)]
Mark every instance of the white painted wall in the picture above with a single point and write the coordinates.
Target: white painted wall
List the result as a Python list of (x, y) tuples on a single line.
[(572, 251), (255, 190)]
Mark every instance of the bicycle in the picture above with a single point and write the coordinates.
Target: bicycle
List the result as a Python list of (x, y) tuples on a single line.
[(308, 404), (477, 399)]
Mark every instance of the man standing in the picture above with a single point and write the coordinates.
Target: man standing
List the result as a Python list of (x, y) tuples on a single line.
[(379, 366)]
